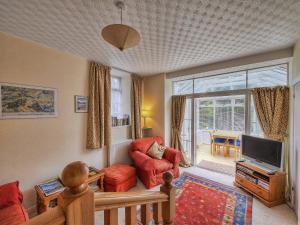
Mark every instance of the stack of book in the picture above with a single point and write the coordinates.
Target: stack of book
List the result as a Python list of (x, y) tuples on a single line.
[(263, 184), (241, 174), (244, 169)]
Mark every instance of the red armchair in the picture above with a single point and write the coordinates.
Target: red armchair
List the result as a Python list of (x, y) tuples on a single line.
[(150, 170), (11, 210)]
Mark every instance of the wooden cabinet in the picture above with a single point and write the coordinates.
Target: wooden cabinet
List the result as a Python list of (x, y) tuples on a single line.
[(269, 188)]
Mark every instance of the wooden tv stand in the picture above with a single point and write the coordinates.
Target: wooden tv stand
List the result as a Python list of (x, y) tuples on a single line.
[(270, 189)]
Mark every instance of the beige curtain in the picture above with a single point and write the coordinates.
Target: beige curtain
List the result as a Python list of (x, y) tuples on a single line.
[(99, 115), (272, 109), (177, 117), (136, 104)]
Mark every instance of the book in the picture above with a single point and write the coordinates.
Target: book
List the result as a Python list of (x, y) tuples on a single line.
[(51, 187)]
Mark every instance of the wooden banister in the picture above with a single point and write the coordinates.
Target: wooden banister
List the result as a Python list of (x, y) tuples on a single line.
[(110, 200), (53, 216), (162, 202), (77, 203)]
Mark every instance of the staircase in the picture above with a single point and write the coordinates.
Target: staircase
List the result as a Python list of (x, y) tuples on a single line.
[(77, 203)]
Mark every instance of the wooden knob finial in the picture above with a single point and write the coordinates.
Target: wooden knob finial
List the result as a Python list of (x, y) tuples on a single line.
[(74, 177), (168, 177)]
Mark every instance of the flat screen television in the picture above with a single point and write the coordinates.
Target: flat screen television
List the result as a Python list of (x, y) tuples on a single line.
[(265, 152)]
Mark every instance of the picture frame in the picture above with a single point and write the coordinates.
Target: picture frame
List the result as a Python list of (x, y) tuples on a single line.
[(26, 101), (81, 104)]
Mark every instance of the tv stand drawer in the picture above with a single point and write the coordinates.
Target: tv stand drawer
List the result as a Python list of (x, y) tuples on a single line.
[(253, 188)]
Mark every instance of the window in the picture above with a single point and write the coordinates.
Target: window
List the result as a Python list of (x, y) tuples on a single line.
[(116, 94), (268, 76), (231, 81), (206, 115), (262, 77), (186, 131), (183, 87), (255, 128)]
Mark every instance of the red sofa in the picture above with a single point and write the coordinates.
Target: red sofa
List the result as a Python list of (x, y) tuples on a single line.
[(11, 210), (150, 170)]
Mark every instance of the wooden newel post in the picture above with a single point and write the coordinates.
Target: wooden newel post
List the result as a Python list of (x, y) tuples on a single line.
[(77, 199), (168, 208)]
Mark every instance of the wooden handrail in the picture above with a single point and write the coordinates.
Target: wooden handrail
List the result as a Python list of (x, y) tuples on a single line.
[(77, 203), (53, 216), (110, 200)]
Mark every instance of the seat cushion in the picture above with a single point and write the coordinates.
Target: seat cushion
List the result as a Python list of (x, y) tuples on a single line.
[(13, 215), (162, 165), (143, 144), (220, 140), (118, 173), (10, 194)]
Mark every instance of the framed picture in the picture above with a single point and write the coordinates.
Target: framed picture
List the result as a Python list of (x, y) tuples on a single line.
[(81, 104), (23, 101)]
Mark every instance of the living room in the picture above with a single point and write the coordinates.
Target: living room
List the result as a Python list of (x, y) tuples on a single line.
[(193, 81)]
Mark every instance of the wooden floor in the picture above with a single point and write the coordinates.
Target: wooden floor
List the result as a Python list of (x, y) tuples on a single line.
[(203, 153)]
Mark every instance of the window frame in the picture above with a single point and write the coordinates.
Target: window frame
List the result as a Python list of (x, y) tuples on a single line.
[(226, 73)]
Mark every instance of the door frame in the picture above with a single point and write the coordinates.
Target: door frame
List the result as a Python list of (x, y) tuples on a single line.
[(245, 92)]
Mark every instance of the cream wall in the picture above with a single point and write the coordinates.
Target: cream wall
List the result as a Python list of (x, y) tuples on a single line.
[(34, 150), (153, 100)]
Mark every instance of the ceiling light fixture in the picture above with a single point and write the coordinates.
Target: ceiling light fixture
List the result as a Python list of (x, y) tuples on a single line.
[(119, 35)]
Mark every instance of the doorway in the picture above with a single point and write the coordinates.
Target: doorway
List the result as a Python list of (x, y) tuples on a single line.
[(221, 118)]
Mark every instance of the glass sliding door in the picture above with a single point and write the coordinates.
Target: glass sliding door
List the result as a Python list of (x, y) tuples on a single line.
[(186, 132), (224, 114)]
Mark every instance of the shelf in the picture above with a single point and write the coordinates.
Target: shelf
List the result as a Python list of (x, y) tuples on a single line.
[(269, 188)]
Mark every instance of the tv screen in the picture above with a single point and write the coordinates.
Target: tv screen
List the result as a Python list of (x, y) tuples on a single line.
[(264, 150)]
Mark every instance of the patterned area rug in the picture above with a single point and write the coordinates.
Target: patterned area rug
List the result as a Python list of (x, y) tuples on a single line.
[(200, 201), (217, 167)]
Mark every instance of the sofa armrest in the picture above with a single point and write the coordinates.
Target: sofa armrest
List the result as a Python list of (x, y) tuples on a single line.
[(142, 160), (172, 155)]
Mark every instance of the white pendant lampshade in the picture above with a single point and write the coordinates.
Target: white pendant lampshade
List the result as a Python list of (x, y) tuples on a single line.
[(119, 35)]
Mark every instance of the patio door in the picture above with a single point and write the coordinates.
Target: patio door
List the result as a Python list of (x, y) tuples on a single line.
[(228, 112), (221, 113)]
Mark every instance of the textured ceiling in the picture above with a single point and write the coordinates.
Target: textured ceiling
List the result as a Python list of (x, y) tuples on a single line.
[(175, 34)]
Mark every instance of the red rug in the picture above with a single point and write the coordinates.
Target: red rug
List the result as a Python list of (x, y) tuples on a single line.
[(200, 201)]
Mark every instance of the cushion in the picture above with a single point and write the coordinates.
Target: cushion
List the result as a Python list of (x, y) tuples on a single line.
[(156, 151), (162, 165), (143, 144), (124, 186), (10, 194), (13, 215), (118, 173)]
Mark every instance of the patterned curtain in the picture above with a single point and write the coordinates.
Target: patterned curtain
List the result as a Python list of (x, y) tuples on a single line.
[(177, 117), (272, 109), (136, 103), (99, 115)]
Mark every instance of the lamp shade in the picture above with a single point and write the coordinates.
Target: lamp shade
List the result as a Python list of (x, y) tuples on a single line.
[(145, 113), (121, 36)]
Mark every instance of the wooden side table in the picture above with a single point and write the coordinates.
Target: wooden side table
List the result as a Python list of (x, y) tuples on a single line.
[(46, 202)]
